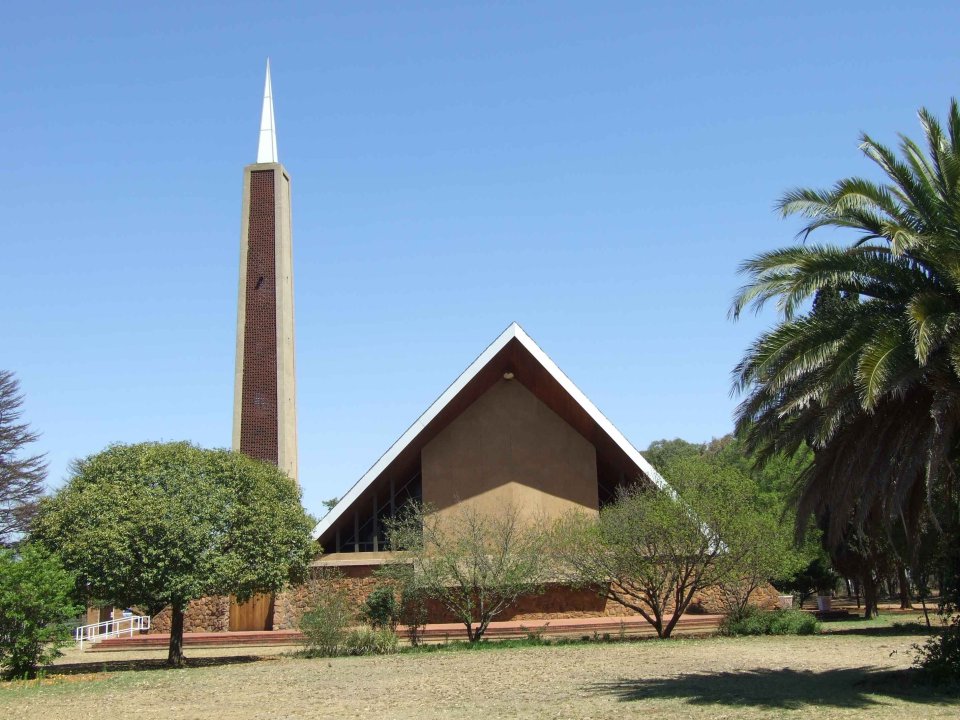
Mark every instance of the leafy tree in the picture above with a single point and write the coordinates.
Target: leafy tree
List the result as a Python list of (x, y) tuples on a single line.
[(661, 453), (765, 542), (330, 504), (863, 364), (474, 564), (21, 476), (776, 478), (35, 607), (160, 524), (764, 554), (653, 551), (815, 577)]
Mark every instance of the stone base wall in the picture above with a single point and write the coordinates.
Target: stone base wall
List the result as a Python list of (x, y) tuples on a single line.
[(209, 614), (709, 601), (557, 601), (290, 603), (212, 614)]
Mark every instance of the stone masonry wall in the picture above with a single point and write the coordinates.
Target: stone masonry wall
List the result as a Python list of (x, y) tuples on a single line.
[(212, 614), (290, 604), (209, 614), (556, 602)]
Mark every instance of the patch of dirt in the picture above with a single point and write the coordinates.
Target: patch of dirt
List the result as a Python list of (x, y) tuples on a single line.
[(58, 679), (833, 676)]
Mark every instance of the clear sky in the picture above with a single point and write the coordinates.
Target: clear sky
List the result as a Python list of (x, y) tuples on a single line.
[(594, 171)]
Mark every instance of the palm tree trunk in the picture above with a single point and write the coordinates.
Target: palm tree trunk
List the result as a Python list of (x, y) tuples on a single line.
[(905, 603), (869, 596)]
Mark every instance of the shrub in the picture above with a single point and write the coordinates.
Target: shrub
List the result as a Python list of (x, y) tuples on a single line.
[(325, 624), (752, 621), (370, 641), (35, 609), (413, 611), (938, 659), (475, 564), (793, 622), (380, 608)]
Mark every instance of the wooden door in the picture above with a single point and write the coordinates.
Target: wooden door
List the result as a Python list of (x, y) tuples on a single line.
[(255, 614)]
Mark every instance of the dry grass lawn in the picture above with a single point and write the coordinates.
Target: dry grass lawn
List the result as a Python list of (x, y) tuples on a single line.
[(826, 676)]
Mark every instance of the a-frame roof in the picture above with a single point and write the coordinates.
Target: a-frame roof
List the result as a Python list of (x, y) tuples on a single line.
[(516, 352)]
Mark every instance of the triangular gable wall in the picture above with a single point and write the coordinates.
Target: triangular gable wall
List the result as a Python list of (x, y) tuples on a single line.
[(447, 401)]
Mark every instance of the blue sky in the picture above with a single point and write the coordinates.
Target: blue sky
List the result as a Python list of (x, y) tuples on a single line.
[(594, 171)]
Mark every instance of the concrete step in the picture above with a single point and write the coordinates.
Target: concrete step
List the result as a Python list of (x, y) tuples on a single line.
[(205, 639), (633, 626)]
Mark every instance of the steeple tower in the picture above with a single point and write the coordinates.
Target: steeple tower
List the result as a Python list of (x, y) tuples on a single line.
[(264, 400), (267, 149)]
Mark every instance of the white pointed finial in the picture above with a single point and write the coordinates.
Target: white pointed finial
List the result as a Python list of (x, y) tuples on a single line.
[(267, 149)]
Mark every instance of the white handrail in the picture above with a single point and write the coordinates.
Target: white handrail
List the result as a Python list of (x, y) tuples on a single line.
[(94, 632)]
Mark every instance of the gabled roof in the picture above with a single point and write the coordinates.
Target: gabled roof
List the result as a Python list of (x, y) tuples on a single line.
[(513, 347)]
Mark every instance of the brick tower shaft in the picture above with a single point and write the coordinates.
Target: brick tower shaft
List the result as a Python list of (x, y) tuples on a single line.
[(265, 409)]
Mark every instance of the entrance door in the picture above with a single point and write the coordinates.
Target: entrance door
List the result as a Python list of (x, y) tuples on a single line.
[(255, 614)]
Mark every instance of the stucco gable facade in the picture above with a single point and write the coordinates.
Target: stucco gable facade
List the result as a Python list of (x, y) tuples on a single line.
[(511, 428), (509, 449)]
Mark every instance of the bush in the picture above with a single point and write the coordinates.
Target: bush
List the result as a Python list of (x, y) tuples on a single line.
[(413, 612), (381, 609), (753, 621), (939, 658), (370, 641), (325, 624), (35, 610), (411, 609)]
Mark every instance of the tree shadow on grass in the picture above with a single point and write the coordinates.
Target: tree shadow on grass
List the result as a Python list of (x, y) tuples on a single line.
[(111, 666), (895, 630), (785, 689)]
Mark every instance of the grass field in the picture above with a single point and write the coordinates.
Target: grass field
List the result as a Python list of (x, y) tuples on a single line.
[(857, 669)]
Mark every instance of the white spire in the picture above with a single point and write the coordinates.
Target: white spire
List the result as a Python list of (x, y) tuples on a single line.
[(267, 149)]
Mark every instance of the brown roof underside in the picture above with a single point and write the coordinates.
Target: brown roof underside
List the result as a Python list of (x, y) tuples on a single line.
[(516, 359)]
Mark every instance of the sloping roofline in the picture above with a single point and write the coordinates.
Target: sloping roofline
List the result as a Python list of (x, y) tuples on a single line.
[(514, 332)]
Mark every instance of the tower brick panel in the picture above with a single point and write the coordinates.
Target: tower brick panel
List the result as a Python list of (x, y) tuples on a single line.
[(259, 411)]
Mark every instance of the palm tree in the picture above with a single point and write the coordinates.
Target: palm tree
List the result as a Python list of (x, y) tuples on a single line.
[(864, 363)]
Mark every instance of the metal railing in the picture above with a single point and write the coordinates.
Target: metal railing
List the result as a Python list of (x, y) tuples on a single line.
[(95, 632)]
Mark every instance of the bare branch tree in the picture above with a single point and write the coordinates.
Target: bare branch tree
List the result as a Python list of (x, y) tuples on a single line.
[(21, 477), (475, 564)]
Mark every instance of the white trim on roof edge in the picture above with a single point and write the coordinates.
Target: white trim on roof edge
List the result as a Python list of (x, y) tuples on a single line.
[(512, 332)]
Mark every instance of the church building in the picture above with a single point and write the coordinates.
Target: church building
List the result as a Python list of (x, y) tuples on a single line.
[(512, 430)]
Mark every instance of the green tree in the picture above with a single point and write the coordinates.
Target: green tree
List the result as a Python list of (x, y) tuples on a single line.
[(767, 551), (863, 364), (651, 551), (21, 476), (36, 606), (330, 504), (654, 551), (661, 453), (160, 524), (475, 564)]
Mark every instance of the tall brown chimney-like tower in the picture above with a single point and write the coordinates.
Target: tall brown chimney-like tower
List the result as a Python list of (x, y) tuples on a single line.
[(265, 399)]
